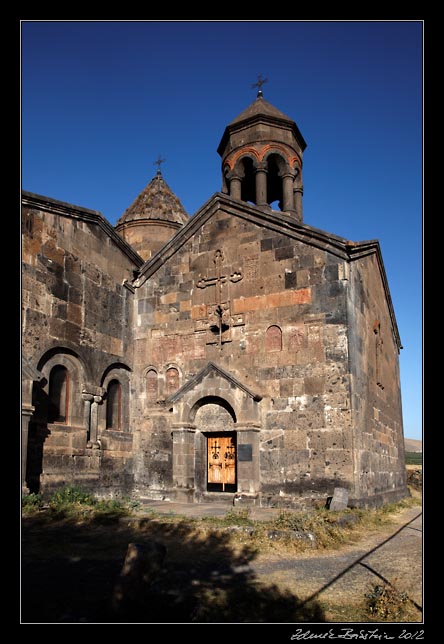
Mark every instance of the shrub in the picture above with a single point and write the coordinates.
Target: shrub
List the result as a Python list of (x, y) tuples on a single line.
[(32, 502), (68, 498), (414, 479), (239, 516), (385, 602), (233, 517), (321, 523), (109, 510)]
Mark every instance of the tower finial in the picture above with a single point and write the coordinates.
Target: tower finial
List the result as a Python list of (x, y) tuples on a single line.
[(260, 82), (158, 163)]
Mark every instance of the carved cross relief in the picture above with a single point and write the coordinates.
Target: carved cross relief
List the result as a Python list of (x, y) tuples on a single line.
[(378, 352), (217, 319)]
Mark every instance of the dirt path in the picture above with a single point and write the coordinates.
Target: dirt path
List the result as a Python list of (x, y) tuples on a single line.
[(342, 577)]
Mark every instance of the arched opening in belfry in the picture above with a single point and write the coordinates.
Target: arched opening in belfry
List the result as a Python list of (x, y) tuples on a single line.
[(248, 189), (274, 182)]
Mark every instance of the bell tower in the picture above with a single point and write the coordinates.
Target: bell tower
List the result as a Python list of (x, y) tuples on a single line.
[(261, 154)]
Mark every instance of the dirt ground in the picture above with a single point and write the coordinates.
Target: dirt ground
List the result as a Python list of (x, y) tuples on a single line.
[(69, 572), (339, 580)]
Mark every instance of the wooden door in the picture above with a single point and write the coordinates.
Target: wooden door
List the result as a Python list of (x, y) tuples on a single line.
[(222, 460)]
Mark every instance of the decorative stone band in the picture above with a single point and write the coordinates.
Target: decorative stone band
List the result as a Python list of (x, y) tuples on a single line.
[(273, 300), (259, 154)]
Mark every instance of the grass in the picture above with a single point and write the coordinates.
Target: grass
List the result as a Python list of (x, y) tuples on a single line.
[(237, 517), (72, 502), (322, 528)]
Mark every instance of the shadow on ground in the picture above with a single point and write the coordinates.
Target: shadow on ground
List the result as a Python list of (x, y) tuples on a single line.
[(69, 573)]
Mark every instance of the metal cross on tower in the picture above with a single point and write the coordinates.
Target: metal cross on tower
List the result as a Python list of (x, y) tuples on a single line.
[(260, 81), (158, 163)]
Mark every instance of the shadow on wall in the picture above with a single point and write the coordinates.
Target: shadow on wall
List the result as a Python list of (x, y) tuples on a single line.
[(69, 573), (37, 434)]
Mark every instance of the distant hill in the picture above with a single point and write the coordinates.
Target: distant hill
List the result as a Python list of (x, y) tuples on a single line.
[(412, 445)]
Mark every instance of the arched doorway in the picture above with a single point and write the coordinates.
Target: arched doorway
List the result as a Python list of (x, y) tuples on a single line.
[(212, 406), (215, 419), (216, 445)]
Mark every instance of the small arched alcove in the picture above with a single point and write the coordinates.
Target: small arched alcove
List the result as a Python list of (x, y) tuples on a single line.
[(213, 413)]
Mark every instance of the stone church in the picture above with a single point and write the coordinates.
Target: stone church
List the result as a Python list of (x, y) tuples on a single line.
[(235, 352)]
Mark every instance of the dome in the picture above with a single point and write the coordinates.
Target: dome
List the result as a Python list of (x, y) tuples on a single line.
[(155, 202), (153, 218)]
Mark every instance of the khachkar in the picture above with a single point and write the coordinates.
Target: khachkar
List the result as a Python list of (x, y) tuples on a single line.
[(216, 316)]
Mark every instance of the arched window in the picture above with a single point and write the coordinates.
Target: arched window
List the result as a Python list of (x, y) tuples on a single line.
[(152, 386), (273, 339), (58, 395), (114, 405), (171, 380)]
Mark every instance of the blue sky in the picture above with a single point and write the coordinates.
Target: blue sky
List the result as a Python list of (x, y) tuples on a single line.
[(101, 101)]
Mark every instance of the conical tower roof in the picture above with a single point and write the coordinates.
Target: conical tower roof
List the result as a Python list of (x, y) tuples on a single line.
[(263, 107), (258, 114), (156, 202)]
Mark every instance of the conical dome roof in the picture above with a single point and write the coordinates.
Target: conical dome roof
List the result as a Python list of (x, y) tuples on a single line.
[(156, 202)]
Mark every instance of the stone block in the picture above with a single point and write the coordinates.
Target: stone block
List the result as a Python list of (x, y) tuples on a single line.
[(284, 253), (52, 252), (75, 295), (286, 387), (314, 385), (282, 241), (339, 500), (302, 278), (338, 462), (74, 313), (266, 244)]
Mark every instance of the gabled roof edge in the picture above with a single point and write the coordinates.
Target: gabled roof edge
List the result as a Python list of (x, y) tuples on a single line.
[(358, 250), (201, 375), (85, 214), (281, 223), (341, 247)]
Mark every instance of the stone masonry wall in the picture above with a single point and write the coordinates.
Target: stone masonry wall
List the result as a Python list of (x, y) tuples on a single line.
[(377, 413), (75, 312), (286, 337), (147, 237), (72, 287)]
